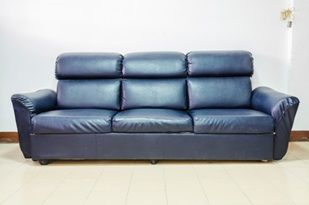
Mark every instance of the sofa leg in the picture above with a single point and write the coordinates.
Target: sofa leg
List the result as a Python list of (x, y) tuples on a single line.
[(44, 162), (153, 161), (265, 160)]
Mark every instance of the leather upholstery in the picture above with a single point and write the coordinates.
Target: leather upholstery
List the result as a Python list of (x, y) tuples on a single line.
[(152, 120), (154, 64), (36, 102), (220, 63), (25, 107), (73, 121), (231, 121), (169, 146), (219, 92), (88, 65), (152, 93), (103, 94), (282, 108), (155, 105)]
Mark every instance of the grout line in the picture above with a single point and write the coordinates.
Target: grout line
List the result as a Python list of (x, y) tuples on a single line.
[(275, 186), (20, 187), (93, 186), (200, 183), (129, 186), (292, 173), (30, 179), (237, 184), (271, 183), (18, 166), (165, 185), (61, 181)]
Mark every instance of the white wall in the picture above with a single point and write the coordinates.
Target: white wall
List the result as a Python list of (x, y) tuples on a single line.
[(33, 33), (298, 75)]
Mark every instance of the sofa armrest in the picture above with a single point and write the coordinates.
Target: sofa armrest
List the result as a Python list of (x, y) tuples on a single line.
[(283, 109), (25, 107), (36, 102)]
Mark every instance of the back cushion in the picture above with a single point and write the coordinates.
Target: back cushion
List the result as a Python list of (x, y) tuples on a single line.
[(220, 63), (154, 80), (154, 65), (164, 93), (89, 80), (223, 92), (89, 94), (219, 79), (88, 65)]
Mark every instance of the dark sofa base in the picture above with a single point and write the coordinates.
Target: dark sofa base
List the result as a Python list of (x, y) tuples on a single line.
[(148, 146)]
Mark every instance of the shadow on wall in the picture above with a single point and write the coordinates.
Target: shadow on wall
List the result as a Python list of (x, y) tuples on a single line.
[(270, 71)]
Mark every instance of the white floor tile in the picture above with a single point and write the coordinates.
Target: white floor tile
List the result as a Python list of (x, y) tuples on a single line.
[(284, 182)]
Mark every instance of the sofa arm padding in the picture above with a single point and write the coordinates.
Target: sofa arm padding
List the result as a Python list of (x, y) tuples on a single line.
[(36, 102), (25, 107), (283, 109)]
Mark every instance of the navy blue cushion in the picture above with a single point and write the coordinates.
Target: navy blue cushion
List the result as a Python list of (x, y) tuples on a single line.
[(231, 121), (73, 121), (219, 92), (152, 120), (88, 65), (220, 63), (154, 64), (103, 94), (151, 93)]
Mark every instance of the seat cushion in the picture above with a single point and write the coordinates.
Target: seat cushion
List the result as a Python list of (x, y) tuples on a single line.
[(152, 120), (228, 121), (73, 121)]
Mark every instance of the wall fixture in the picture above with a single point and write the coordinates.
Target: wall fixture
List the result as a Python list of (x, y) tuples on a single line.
[(287, 15)]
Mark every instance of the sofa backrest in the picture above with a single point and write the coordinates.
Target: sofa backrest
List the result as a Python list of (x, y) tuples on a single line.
[(89, 80), (219, 79), (155, 80)]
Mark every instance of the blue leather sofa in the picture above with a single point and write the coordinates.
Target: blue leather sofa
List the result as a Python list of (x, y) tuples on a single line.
[(155, 106)]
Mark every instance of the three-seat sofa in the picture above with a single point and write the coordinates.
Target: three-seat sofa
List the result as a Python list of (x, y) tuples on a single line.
[(155, 106)]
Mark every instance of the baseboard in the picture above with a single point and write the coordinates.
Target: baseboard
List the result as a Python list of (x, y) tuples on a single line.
[(8, 137), (299, 135)]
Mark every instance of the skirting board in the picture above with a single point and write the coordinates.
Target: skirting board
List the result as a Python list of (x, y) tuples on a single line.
[(8, 137), (299, 135)]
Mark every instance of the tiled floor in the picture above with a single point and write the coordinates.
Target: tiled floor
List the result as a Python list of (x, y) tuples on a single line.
[(284, 182)]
